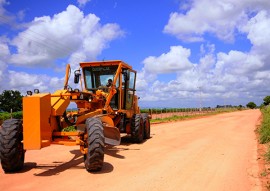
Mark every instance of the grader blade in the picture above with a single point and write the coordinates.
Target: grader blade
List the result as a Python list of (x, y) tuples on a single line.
[(112, 135)]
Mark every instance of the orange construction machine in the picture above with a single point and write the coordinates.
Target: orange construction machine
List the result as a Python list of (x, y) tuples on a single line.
[(106, 106)]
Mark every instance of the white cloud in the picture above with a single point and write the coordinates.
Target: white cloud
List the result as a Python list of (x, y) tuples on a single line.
[(50, 38), (222, 18), (175, 60), (5, 18), (238, 63), (82, 2), (230, 78), (258, 32), (67, 35), (20, 80), (23, 81), (4, 56)]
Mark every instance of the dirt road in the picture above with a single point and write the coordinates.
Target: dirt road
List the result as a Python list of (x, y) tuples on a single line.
[(213, 153)]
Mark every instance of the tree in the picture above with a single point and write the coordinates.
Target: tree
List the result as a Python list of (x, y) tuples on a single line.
[(266, 100), (10, 99), (251, 105)]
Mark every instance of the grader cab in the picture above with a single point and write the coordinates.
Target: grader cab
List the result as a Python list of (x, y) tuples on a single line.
[(106, 106)]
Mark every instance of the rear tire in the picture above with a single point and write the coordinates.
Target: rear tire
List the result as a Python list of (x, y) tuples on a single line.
[(137, 128), (95, 143), (11, 146), (146, 122)]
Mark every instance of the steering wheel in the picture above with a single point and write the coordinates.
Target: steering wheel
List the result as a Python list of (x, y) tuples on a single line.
[(70, 120)]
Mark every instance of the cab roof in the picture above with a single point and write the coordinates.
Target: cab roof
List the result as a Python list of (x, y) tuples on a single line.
[(106, 63)]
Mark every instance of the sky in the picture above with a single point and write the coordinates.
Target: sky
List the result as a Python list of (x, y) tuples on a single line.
[(187, 53)]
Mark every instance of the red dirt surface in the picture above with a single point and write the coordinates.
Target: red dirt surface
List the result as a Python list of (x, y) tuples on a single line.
[(214, 153)]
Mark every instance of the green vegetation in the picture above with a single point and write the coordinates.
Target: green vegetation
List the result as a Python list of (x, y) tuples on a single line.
[(264, 173), (251, 105), (10, 99), (4, 116), (264, 130), (169, 119), (69, 129), (266, 100)]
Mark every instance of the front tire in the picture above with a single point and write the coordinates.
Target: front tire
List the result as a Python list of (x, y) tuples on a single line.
[(95, 143), (11, 146), (146, 122), (137, 128)]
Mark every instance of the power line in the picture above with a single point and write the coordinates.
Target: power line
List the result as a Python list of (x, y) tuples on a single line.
[(39, 38)]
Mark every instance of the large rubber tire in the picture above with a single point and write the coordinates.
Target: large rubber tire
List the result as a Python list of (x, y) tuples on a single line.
[(137, 128), (95, 143), (146, 123), (11, 146)]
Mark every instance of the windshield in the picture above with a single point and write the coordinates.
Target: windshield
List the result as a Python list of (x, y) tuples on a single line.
[(99, 77)]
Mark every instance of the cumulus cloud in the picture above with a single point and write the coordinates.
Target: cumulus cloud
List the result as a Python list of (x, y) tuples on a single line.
[(69, 32), (175, 60), (231, 77), (258, 32), (238, 63), (48, 41), (221, 18), (23, 81), (217, 78)]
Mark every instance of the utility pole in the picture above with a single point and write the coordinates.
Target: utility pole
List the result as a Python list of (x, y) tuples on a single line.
[(200, 88)]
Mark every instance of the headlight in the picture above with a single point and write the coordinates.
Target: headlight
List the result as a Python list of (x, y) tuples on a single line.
[(36, 91), (29, 93)]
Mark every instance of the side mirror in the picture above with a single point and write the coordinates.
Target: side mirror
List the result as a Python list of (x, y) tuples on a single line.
[(77, 74)]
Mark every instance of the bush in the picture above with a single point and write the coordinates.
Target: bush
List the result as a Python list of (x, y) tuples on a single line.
[(266, 100), (17, 115), (251, 105), (4, 116), (69, 129)]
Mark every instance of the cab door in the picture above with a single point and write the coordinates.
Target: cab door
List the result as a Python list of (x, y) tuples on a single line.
[(128, 88)]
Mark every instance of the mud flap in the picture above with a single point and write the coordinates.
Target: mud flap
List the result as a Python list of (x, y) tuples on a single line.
[(112, 135)]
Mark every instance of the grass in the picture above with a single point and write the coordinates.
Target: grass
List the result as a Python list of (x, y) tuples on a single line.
[(169, 119), (264, 130), (264, 173)]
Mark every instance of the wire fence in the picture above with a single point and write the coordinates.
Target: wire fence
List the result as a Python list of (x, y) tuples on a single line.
[(166, 113)]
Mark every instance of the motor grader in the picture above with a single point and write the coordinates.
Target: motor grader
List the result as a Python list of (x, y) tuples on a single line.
[(106, 107)]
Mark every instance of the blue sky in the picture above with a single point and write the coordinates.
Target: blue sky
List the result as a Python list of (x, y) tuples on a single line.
[(184, 51)]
